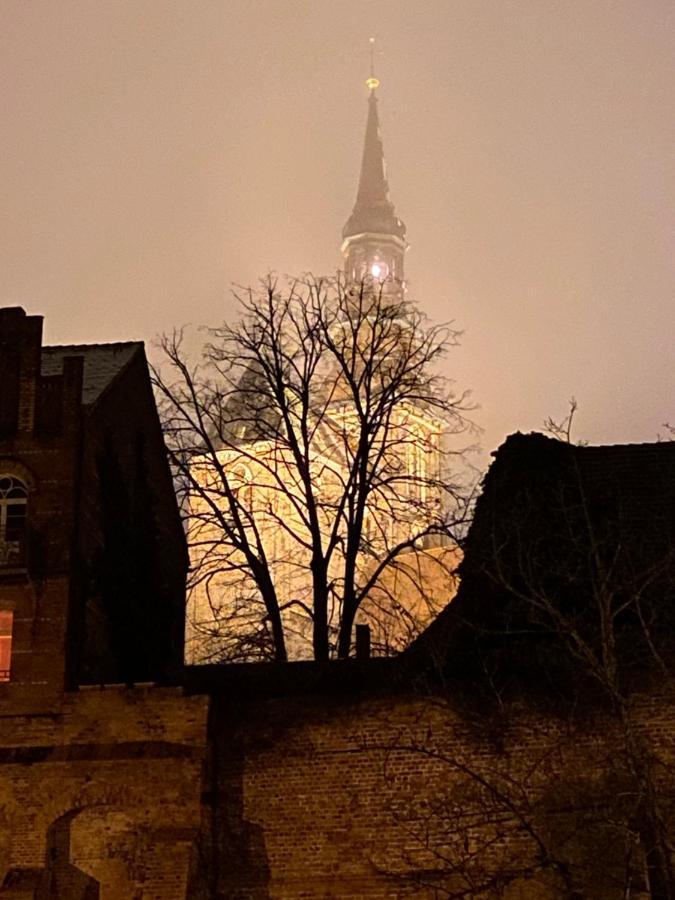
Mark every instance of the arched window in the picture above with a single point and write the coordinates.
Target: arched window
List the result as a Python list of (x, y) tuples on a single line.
[(242, 487), (13, 506)]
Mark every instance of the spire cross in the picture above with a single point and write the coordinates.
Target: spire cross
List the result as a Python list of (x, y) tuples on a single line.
[(372, 82)]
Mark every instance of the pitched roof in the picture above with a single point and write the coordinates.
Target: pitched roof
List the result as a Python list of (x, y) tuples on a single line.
[(548, 513), (373, 210), (627, 485), (102, 364)]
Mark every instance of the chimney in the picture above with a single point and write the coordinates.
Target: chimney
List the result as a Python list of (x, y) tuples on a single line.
[(363, 641)]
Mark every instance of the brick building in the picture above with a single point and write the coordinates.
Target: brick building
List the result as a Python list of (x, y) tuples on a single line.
[(92, 554), (92, 579)]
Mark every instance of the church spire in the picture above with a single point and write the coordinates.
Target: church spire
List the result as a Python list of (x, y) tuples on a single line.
[(373, 237)]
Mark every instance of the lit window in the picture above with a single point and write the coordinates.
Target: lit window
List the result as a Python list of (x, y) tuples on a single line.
[(13, 504), (379, 269), (5, 644)]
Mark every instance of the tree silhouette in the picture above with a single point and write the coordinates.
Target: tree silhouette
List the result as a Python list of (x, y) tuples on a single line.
[(312, 450)]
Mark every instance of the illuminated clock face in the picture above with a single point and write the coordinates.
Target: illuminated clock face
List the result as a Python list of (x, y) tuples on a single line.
[(378, 269)]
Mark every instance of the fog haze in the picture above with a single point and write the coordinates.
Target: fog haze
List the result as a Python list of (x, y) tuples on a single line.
[(153, 153)]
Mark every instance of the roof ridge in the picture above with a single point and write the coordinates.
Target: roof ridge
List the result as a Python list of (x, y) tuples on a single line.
[(100, 344), (631, 444), (530, 435)]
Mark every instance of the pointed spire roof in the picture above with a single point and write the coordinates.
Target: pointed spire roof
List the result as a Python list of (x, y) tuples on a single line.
[(373, 210)]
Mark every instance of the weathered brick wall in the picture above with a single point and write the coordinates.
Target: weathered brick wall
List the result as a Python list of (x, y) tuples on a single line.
[(410, 796), (99, 791), (104, 793), (39, 598), (96, 585)]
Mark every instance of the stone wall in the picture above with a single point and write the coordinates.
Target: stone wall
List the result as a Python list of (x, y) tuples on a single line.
[(99, 792)]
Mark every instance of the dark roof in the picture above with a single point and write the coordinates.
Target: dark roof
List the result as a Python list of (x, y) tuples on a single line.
[(102, 364), (373, 210), (549, 515)]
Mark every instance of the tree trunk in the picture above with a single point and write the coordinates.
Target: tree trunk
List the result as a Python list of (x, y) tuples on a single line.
[(280, 654), (271, 602), (320, 627), (346, 628)]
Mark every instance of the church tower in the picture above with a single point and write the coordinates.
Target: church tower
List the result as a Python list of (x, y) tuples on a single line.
[(374, 242)]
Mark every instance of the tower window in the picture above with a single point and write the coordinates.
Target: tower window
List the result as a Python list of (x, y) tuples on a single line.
[(13, 506), (6, 618), (379, 269)]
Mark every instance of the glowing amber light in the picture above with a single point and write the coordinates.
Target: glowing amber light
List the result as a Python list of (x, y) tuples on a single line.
[(5, 643), (373, 82)]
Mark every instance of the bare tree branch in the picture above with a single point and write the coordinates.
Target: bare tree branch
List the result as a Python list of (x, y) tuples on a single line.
[(315, 446)]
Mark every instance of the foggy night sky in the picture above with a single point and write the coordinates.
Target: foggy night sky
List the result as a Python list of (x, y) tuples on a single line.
[(155, 152)]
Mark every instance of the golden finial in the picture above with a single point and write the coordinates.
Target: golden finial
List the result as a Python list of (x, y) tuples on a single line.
[(372, 82)]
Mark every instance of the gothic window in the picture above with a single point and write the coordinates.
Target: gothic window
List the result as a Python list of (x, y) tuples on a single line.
[(13, 506), (5, 643), (419, 466), (242, 487)]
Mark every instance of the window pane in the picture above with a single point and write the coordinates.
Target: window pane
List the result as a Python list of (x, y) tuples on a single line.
[(16, 522), (5, 644), (6, 617), (13, 509)]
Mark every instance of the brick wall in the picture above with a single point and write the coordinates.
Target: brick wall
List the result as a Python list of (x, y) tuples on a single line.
[(332, 794), (96, 584), (422, 796), (45, 460), (99, 791)]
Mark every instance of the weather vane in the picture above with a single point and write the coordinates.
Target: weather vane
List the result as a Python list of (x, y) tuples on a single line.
[(372, 82)]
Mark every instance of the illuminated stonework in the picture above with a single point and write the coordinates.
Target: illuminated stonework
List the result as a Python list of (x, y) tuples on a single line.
[(225, 611)]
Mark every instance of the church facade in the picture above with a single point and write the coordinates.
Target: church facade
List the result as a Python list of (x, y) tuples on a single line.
[(226, 616)]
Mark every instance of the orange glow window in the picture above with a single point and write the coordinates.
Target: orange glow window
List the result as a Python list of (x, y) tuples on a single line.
[(5, 643)]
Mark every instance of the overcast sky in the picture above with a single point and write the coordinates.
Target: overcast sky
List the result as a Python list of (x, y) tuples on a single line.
[(153, 153)]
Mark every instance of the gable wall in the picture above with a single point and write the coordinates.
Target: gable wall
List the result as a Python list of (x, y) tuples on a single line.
[(131, 545)]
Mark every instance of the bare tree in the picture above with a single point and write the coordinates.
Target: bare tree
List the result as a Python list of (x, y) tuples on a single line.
[(483, 818), (561, 429), (572, 556), (312, 448)]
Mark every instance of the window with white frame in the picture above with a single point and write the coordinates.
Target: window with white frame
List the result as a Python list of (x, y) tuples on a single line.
[(13, 508)]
